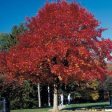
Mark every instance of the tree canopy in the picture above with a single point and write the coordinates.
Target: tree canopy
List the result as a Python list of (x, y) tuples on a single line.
[(63, 43)]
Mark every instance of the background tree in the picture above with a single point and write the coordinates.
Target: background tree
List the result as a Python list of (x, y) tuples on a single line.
[(63, 43), (108, 87), (7, 40), (16, 32), (4, 41), (83, 91)]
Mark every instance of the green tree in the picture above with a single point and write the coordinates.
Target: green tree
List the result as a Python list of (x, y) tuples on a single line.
[(12, 91), (15, 33), (108, 87), (7, 40)]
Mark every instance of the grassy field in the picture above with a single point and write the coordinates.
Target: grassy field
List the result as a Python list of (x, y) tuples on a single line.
[(68, 107), (32, 110), (88, 105)]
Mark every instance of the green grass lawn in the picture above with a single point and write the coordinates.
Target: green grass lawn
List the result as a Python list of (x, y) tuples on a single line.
[(89, 105), (31, 110), (72, 106)]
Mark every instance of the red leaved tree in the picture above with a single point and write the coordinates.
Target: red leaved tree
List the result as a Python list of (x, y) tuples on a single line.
[(63, 44)]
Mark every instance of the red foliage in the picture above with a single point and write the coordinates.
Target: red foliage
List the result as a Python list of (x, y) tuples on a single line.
[(3, 62), (64, 42)]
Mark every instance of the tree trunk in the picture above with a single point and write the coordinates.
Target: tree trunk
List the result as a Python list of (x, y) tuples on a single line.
[(49, 103), (39, 99), (110, 101), (110, 98), (55, 99)]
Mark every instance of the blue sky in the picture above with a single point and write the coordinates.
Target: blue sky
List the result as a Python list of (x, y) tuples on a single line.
[(14, 12)]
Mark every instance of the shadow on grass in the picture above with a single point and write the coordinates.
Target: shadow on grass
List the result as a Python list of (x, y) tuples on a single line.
[(91, 106)]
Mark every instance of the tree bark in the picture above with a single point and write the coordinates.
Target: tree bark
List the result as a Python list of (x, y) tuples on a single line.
[(55, 99), (49, 103), (39, 98)]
